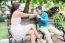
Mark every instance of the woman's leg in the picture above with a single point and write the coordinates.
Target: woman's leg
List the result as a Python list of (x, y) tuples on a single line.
[(47, 34), (31, 32), (35, 32)]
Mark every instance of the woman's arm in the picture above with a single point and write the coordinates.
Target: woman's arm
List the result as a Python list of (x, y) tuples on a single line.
[(26, 15)]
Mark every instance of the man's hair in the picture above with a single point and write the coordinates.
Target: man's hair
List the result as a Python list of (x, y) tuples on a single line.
[(39, 7)]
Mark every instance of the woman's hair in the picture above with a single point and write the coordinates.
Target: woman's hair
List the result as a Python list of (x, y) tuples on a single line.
[(14, 7)]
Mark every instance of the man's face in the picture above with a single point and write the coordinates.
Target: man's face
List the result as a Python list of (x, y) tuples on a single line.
[(39, 11)]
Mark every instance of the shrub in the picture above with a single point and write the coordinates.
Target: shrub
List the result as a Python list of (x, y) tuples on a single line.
[(2, 19), (58, 17)]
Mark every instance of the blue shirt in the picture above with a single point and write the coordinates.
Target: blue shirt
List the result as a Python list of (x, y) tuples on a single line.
[(43, 21)]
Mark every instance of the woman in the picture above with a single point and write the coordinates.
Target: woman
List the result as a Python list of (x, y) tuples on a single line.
[(18, 30)]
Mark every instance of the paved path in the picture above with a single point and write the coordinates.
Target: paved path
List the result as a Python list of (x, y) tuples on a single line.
[(4, 41), (59, 41), (7, 41)]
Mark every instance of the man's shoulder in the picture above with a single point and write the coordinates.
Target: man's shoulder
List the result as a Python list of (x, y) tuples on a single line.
[(44, 13)]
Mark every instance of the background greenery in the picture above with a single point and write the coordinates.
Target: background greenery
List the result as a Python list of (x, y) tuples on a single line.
[(3, 30), (46, 3)]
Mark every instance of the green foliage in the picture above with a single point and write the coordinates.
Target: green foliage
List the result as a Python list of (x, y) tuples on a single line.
[(39, 2), (3, 0), (21, 1), (2, 19), (3, 30), (33, 2), (63, 1), (61, 5), (48, 4), (58, 17)]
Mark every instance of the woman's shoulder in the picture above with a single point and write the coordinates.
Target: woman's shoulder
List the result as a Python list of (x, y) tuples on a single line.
[(17, 12)]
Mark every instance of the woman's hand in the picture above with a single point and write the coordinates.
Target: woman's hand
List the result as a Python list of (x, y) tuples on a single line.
[(32, 15)]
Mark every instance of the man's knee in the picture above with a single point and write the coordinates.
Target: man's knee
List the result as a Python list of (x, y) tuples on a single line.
[(60, 33), (44, 30)]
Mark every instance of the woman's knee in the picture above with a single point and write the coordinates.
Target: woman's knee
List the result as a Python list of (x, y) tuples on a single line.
[(31, 32)]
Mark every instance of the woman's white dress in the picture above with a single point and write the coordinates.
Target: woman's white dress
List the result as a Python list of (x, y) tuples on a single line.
[(18, 30)]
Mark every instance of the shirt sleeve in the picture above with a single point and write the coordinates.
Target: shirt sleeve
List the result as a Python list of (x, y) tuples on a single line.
[(44, 17)]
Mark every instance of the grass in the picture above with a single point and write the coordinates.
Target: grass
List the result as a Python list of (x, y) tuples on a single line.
[(62, 23), (3, 30)]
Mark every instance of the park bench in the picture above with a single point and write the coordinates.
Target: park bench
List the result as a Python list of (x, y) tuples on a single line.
[(52, 21), (27, 21)]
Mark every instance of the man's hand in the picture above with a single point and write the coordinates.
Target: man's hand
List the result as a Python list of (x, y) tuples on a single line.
[(38, 16)]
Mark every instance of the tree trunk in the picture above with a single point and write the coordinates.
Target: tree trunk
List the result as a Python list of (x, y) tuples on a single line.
[(26, 9)]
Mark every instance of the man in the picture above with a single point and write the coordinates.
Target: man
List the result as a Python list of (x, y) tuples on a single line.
[(42, 19)]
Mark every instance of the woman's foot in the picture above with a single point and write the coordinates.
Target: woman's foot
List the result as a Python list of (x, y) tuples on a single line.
[(41, 41)]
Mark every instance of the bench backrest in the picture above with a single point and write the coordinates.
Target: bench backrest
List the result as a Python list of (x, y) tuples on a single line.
[(52, 21)]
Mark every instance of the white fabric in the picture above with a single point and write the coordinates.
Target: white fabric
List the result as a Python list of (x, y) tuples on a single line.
[(55, 30), (19, 31), (48, 30), (47, 34), (15, 21)]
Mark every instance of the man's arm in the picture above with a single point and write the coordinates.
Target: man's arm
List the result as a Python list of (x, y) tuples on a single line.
[(44, 17)]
